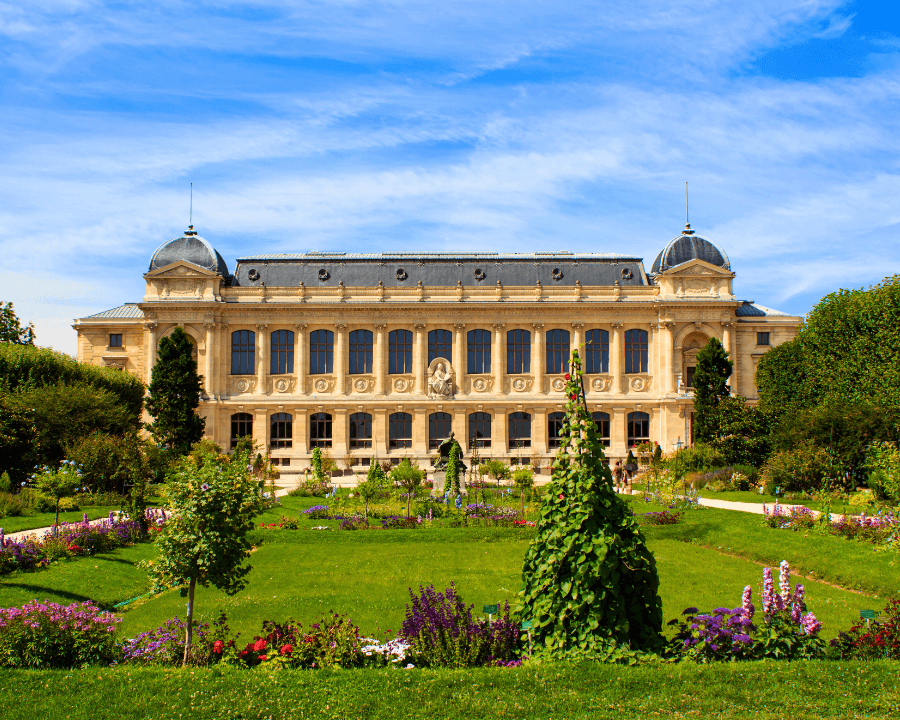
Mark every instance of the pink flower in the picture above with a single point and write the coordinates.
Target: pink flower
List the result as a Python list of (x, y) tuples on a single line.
[(746, 604), (259, 645), (810, 625), (768, 594), (218, 646), (286, 649)]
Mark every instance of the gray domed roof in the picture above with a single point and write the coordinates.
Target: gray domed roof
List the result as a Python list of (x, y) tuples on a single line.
[(687, 247), (191, 248)]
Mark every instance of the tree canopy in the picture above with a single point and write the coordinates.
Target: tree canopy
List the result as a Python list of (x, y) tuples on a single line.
[(710, 387), (11, 330)]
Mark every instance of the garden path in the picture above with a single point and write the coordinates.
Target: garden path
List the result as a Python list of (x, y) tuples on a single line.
[(40, 532)]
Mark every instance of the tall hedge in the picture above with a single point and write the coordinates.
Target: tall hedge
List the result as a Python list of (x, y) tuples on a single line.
[(24, 366)]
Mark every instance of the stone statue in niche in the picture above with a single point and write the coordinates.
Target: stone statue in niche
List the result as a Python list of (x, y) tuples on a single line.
[(440, 379)]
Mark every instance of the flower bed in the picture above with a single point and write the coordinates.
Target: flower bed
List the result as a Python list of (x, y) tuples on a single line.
[(665, 517), (881, 529)]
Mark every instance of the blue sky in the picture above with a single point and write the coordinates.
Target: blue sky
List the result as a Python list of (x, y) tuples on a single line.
[(407, 125)]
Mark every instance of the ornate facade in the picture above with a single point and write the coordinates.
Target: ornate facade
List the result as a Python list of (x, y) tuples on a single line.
[(385, 354)]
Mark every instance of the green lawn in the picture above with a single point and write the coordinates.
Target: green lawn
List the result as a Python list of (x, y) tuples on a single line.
[(42, 520), (769, 691)]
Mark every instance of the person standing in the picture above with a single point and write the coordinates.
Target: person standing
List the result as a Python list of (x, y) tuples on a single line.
[(617, 473)]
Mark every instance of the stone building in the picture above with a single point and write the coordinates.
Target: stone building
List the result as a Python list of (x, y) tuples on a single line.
[(385, 354)]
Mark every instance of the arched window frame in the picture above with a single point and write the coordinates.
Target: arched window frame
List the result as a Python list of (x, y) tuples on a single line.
[(243, 352), (559, 349), (400, 352), (555, 423), (320, 430), (282, 430), (636, 351), (479, 351), (638, 428), (399, 430), (440, 425), (480, 429), (519, 430), (360, 430), (282, 353), (361, 345), (241, 427), (596, 351), (321, 352), (518, 352), (440, 344), (601, 421)]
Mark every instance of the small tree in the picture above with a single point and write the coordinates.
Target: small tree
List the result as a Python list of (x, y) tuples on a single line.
[(710, 387), (524, 479), (496, 469), (213, 502), (409, 477), (59, 483), (138, 472), (368, 489), (11, 330), (174, 394), (316, 463)]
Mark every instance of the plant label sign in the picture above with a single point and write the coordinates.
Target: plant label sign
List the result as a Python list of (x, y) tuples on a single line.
[(526, 624), (867, 614), (490, 609)]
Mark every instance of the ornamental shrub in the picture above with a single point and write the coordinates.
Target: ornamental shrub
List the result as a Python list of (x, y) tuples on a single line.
[(49, 635), (334, 641), (165, 645), (452, 472), (590, 583), (442, 632), (800, 470), (874, 641)]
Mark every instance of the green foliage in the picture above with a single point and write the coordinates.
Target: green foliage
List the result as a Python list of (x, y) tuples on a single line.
[(453, 470), (590, 583), (710, 387), (700, 456), (11, 330), (883, 460), (213, 502), (174, 394), (101, 458), (18, 438), (781, 380), (656, 458), (802, 469), (742, 432), (409, 477), (495, 468), (630, 458), (372, 486), (58, 483), (317, 465), (5, 483)]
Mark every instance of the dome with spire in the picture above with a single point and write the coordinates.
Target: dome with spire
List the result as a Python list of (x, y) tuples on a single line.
[(687, 247), (191, 248)]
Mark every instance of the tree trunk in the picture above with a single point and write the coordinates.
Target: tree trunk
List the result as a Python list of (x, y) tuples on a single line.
[(57, 510), (189, 633)]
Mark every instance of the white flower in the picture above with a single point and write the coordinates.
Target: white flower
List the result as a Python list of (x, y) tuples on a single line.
[(410, 666), (204, 487)]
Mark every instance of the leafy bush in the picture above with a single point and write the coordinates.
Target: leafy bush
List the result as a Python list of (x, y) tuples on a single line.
[(666, 517), (701, 456), (879, 639), (317, 512), (803, 469), (311, 488), (883, 460), (442, 632), (165, 645), (334, 641), (12, 505), (354, 523), (399, 523), (48, 635), (5, 483)]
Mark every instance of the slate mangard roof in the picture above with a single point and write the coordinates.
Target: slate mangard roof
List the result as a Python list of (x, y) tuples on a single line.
[(752, 309), (127, 311)]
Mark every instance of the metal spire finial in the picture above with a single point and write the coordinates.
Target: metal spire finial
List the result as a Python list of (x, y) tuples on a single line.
[(687, 217), (190, 230)]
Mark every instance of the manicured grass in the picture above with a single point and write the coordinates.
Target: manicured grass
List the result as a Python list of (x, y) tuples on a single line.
[(42, 520), (553, 691)]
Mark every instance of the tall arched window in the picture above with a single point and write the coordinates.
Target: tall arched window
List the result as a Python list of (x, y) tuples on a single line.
[(518, 351), (321, 352), (241, 427), (360, 352), (243, 352), (439, 426), (479, 351), (282, 431), (557, 351), (400, 352), (635, 351), (360, 430), (480, 429), (320, 430), (400, 430), (638, 428), (555, 423), (596, 351), (519, 430), (440, 344), (601, 420), (282, 352)]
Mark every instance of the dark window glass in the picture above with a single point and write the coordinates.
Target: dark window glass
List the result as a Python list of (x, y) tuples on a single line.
[(596, 351), (689, 380), (243, 352), (360, 430), (400, 430), (399, 352), (480, 430), (320, 430), (762, 338), (601, 420), (479, 351), (439, 426), (440, 344), (635, 351), (555, 423), (241, 427), (115, 340), (518, 351), (282, 352), (557, 351), (638, 428), (321, 352), (282, 431), (360, 352), (519, 430)]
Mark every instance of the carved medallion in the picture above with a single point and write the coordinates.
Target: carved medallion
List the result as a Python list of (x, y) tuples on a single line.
[(400, 384), (242, 386), (598, 384), (321, 385), (558, 384), (518, 384), (479, 385), (361, 385), (282, 385)]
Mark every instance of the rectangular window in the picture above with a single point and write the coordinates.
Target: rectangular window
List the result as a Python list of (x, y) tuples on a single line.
[(360, 352), (400, 352), (518, 351), (440, 344), (601, 421), (762, 338), (320, 430), (557, 351), (555, 423), (638, 428), (439, 426), (282, 353), (519, 430), (282, 431), (115, 340), (321, 352), (400, 430), (636, 351), (689, 379), (596, 351), (479, 351), (360, 430), (243, 352), (480, 430)]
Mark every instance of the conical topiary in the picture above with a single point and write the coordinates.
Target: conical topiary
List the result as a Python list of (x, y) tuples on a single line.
[(590, 583), (451, 474)]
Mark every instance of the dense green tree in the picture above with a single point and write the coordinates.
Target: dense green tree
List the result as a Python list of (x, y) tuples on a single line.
[(781, 380), (18, 435), (742, 432), (710, 387), (58, 483), (590, 582), (11, 330), (409, 477), (174, 394)]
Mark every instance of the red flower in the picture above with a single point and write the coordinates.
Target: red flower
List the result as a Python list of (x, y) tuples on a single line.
[(560, 496), (259, 645), (286, 649), (218, 645), (568, 377), (262, 657)]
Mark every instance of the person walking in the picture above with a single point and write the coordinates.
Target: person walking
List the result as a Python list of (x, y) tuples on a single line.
[(617, 474)]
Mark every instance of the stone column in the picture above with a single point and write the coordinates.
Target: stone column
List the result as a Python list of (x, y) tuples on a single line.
[(461, 356), (301, 431), (667, 359), (301, 345), (208, 379), (539, 431), (460, 428), (499, 360), (577, 340), (379, 364), (500, 432), (617, 358), (261, 429), (261, 358), (380, 433), (420, 432), (339, 445), (341, 361), (420, 360), (151, 349), (618, 435), (537, 358)]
